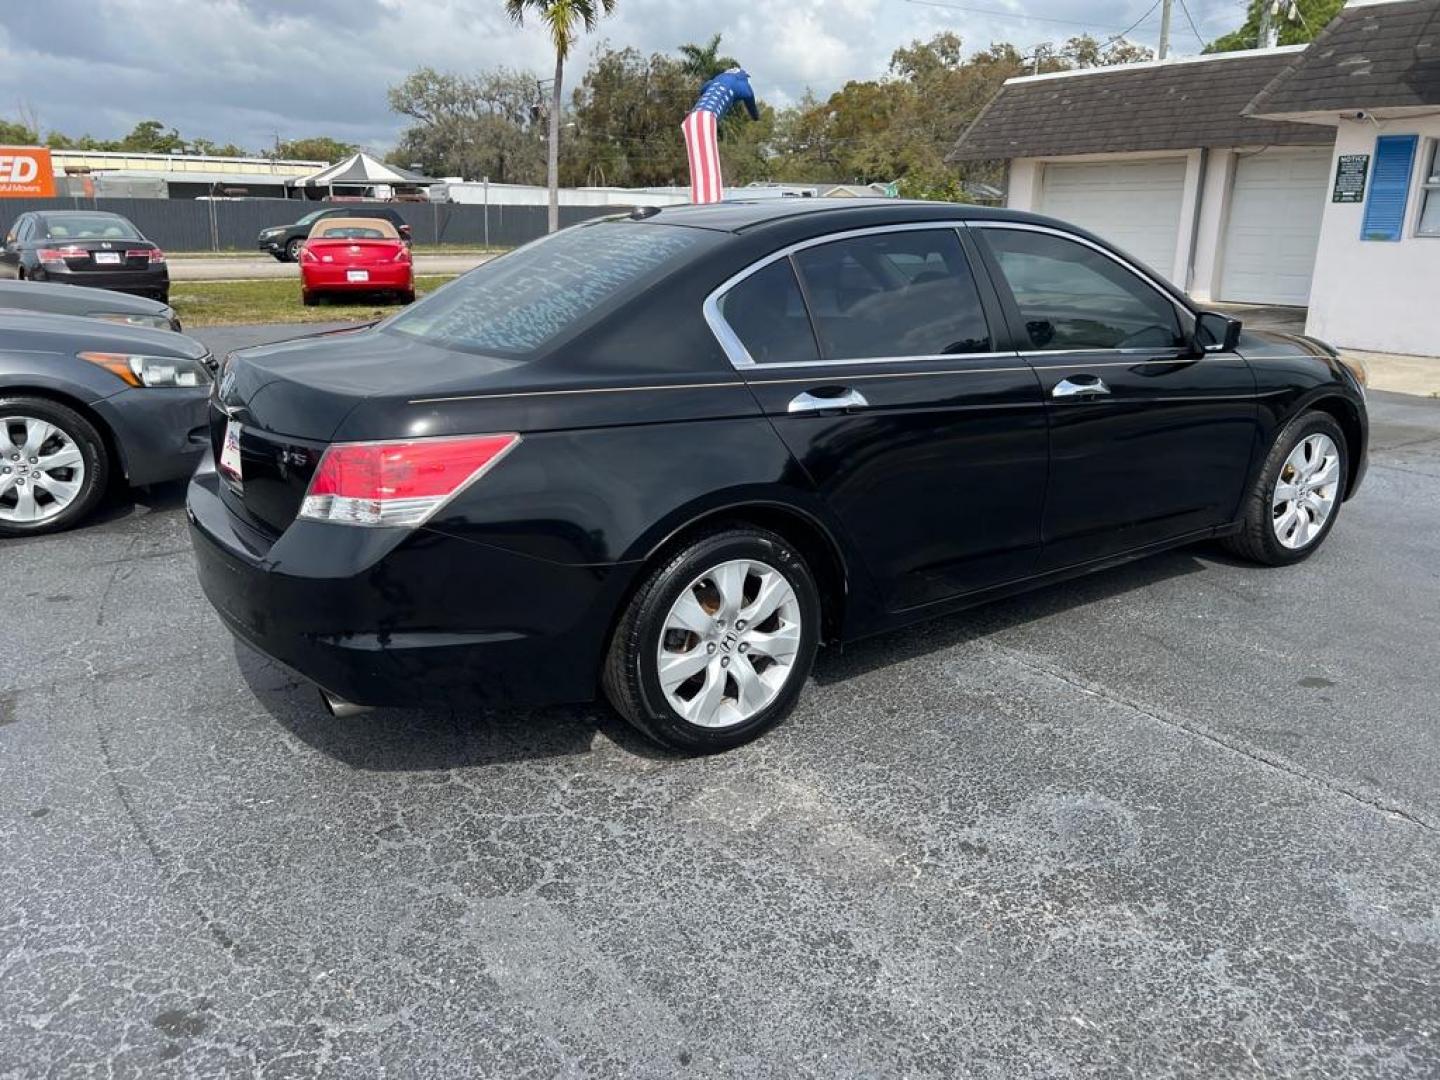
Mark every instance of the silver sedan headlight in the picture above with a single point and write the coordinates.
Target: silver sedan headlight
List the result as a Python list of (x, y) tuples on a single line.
[(154, 322), (160, 371)]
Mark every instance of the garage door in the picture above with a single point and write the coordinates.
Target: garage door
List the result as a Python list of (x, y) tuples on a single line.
[(1133, 204), (1274, 226)]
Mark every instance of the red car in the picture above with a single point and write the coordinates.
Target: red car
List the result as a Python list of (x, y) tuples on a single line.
[(349, 255)]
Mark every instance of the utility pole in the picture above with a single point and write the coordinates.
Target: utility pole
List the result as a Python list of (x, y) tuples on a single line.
[(1269, 33), (1164, 49)]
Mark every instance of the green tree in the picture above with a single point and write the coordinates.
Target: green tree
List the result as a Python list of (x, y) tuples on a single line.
[(627, 112), (214, 149), (469, 126), (315, 148), (14, 133), (704, 62), (1309, 18), (150, 137), (564, 20)]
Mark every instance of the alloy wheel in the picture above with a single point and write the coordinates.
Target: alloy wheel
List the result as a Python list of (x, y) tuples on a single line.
[(42, 470), (729, 643), (1305, 491)]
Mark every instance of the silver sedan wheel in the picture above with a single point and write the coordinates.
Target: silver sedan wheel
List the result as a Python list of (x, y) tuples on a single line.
[(729, 643), (1305, 491), (42, 470)]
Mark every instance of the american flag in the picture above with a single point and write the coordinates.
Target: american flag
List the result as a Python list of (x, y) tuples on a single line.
[(702, 145)]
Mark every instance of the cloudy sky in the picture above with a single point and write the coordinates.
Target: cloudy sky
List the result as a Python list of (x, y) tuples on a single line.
[(243, 70)]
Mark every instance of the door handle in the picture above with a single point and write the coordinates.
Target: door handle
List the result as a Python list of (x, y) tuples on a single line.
[(1080, 386), (848, 399)]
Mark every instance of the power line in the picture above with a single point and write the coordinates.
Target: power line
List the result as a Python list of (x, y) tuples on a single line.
[(1133, 25), (1193, 28), (1013, 14)]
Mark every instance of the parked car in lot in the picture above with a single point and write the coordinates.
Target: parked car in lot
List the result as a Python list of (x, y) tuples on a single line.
[(85, 247), (84, 404), (668, 456), (350, 255), (284, 241), (104, 304)]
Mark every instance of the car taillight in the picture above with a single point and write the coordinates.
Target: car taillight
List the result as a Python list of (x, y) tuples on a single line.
[(306, 253), (403, 482), (155, 255), (403, 255), (60, 254)]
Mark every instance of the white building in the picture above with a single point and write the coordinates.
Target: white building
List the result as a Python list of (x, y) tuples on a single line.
[(1234, 174)]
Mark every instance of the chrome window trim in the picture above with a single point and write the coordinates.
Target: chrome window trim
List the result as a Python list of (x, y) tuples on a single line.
[(740, 357), (1026, 226)]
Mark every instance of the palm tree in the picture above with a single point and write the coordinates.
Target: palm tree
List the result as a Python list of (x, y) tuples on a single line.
[(704, 62), (564, 19)]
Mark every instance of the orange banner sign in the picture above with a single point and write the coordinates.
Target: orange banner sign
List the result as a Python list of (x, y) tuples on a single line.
[(25, 171)]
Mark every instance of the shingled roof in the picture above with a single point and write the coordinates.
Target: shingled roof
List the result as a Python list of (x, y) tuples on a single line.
[(1374, 56), (1164, 105)]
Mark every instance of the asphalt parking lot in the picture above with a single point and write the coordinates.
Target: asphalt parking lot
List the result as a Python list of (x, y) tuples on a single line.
[(1180, 818)]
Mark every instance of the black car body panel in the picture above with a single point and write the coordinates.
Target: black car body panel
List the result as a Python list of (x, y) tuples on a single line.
[(962, 478), (49, 299), (158, 433), (91, 248), (275, 239)]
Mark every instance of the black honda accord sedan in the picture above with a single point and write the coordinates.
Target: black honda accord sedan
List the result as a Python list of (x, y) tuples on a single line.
[(670, 455)]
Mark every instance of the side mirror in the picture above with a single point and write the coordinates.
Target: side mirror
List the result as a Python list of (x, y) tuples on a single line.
[(1215, 332)]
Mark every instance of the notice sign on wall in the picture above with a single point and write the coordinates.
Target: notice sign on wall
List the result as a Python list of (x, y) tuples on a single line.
[(25, 171), (1350, 178)]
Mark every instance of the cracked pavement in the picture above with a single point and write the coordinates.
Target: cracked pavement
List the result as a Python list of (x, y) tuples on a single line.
[(1176, 819)]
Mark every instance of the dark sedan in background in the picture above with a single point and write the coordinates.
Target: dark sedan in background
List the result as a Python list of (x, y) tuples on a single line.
[(670, 455), (106, 304), (285, 241), (85, 247), (84, 404)]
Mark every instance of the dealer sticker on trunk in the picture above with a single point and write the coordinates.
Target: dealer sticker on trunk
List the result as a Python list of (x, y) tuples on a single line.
[(230, 456)]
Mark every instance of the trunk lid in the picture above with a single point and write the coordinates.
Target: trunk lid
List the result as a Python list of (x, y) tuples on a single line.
[(291, 400), (358, 252), (103, 255)]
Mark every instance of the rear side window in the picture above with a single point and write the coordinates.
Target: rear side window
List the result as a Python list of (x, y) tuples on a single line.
[(893, 294), (518, 303), (1071, 296), (767, 313)]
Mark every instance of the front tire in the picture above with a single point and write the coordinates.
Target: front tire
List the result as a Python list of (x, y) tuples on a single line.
[(292, 250), (717, 643), (1292, 505), (53, 466)]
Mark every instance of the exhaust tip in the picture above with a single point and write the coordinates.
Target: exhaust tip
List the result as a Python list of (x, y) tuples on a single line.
[(339, 708)]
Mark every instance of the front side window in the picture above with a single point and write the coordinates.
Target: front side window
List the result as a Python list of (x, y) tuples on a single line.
[(893, 294), (1071, 296), (519, 302), (1429, 224)]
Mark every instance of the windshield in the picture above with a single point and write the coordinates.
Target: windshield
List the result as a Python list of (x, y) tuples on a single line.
[(308, 218), (89, 227), (517, 303)]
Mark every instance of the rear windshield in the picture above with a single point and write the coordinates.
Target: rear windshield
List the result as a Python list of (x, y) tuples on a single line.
[(88, 227), (518, 303)]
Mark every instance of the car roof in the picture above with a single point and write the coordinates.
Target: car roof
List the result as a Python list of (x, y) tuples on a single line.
[(738, 215), (78, 213)]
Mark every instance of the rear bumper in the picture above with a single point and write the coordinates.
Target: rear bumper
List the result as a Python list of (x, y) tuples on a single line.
[(403, 617), (161, 433), (147, 282), (334, 279)]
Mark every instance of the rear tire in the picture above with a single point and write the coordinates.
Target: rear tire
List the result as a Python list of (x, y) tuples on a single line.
[(309, 299), (1292, 505), (407, 297), (35, 499), (735, 617)]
